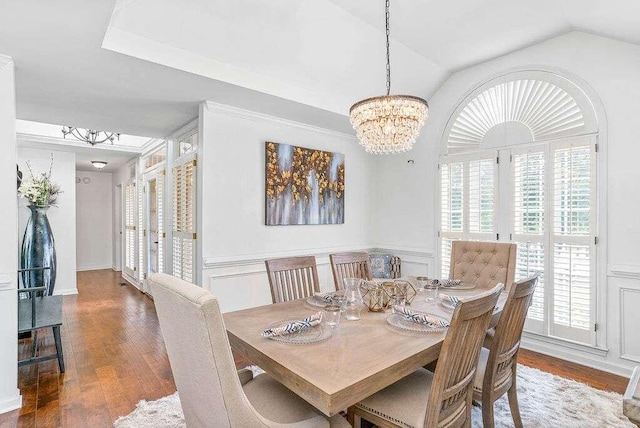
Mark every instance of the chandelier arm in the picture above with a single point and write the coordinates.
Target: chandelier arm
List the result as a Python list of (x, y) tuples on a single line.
[(388, 33)]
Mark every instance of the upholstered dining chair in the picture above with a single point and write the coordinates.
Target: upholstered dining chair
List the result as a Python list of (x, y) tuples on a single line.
[(212, 393), (497, 365), (350, 265), (443, 398), (292, 278), (484, 264)]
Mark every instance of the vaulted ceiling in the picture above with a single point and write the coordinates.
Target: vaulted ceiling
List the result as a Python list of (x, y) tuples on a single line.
[(141, 67)]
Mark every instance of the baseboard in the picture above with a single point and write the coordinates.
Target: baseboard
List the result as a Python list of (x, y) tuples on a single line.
[(576, 356), (94, 267), (65, 292), (12, 403)]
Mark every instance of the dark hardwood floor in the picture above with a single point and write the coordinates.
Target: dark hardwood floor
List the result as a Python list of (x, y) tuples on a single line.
[(115, 356)]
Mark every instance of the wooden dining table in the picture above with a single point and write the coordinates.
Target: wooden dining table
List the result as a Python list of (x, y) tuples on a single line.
[(359, 359)]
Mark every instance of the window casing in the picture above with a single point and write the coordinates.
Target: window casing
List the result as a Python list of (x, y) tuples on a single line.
[(544, 192)]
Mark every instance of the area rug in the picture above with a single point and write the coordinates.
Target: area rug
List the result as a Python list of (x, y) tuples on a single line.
[(545, 400)]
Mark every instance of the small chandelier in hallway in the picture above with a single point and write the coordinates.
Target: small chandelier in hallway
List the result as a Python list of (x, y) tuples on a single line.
[(90, 136), (391, 123)]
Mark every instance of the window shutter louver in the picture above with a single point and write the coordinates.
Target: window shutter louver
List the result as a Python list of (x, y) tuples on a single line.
[(529, 222), (467, 195), (183, 219), (130, 228), (160, 212), (572, 239)]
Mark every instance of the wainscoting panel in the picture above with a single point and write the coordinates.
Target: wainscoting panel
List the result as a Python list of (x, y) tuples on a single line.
[(241, 282), (629, 322)]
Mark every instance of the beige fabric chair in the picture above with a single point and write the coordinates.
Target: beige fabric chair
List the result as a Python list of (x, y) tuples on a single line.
[(292, 278), (443, 398), (350, 265), (212, 392), (484, 264), (497, 366)]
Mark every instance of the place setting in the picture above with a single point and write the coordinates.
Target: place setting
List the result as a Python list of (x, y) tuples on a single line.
[(302, 331)]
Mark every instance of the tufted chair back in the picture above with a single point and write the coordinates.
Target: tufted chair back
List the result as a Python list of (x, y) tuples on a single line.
[(484, 264)]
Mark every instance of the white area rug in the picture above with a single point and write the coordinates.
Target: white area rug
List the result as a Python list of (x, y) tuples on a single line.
[(545, 400)]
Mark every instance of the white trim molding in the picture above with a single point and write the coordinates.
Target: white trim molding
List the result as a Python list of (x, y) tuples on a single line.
[(261, 117), (623, 271), (11, 403), (6, 283), (623, 326), (4, 60)]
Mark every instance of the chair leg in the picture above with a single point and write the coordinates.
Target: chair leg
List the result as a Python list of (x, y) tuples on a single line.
[(513, 405), (56, 336), (487, 414), (357, 421)]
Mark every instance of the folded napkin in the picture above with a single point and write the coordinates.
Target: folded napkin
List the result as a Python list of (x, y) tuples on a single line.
[(420, 317), (326, 297), (444, 282), (294, 326), (449, 298)]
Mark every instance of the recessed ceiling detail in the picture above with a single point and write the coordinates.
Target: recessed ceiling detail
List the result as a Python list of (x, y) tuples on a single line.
[(545, 109)]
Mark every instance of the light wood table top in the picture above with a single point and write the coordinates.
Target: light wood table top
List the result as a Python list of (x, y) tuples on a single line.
[(360, 359)]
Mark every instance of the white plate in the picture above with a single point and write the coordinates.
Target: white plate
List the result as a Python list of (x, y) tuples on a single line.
[(403, 323), (314, 334)]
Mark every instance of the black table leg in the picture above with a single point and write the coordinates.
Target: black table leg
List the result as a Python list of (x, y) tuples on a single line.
[(56, 336)]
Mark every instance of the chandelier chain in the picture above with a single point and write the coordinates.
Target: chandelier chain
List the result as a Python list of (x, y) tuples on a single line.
[(388, 33)]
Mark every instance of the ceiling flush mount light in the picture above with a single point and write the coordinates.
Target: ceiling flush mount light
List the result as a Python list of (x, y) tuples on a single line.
[(99, 164), (391, 123), (89, 135)]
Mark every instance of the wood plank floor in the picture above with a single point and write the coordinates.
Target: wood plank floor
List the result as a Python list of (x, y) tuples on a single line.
[(115, 356)]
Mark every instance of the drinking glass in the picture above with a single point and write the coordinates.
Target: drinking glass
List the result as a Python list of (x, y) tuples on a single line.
[(396, 300), (332, 315), (431, 290)]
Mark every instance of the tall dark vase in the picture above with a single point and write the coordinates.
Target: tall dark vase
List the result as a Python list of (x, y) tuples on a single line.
[(39, 250)]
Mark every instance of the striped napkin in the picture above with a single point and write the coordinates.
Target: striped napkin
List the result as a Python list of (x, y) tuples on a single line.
[(420, 317), (446, 282), (294, 326), (449, 298), (325, 297)]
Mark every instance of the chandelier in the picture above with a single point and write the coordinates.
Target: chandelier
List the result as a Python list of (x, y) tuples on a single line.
[(391, 123), (89, 135)]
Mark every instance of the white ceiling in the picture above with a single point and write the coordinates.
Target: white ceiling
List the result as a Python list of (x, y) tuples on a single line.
[(308, 61)]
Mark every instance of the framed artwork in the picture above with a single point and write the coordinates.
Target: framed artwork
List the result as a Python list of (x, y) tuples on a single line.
[(303, 186)]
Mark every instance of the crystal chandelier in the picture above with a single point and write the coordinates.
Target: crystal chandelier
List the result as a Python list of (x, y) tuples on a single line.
[(89, 135), (391, 123)]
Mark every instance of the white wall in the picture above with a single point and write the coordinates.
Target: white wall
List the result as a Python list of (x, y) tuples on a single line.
[(94, 220), (61, 217), (611, 69), (235, 240), (9, 394)]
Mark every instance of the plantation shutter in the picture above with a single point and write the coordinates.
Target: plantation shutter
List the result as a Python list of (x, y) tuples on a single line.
[(160, 213), (184, 219), (529, 204), (130, 228), (141, 234), (572, 239), (467, 195)]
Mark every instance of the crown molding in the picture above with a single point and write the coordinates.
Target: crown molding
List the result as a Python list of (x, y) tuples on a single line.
[(41, 139), (262, 117), (5, 60)]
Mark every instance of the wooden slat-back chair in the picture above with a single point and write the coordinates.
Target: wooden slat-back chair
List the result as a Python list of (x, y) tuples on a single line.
[(292, 278), (350, 265), (497, 367), (444, 398), (484, 264)]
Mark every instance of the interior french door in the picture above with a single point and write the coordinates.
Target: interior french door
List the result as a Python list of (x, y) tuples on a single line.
[(154, 232)]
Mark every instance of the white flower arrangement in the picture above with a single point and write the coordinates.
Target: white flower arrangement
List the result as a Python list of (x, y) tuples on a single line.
[(39, 190)]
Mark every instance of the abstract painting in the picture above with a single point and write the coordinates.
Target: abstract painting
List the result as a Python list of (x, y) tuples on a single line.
[(303, 186)]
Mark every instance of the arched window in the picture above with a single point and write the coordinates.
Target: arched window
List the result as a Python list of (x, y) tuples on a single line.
[(519, 165)]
